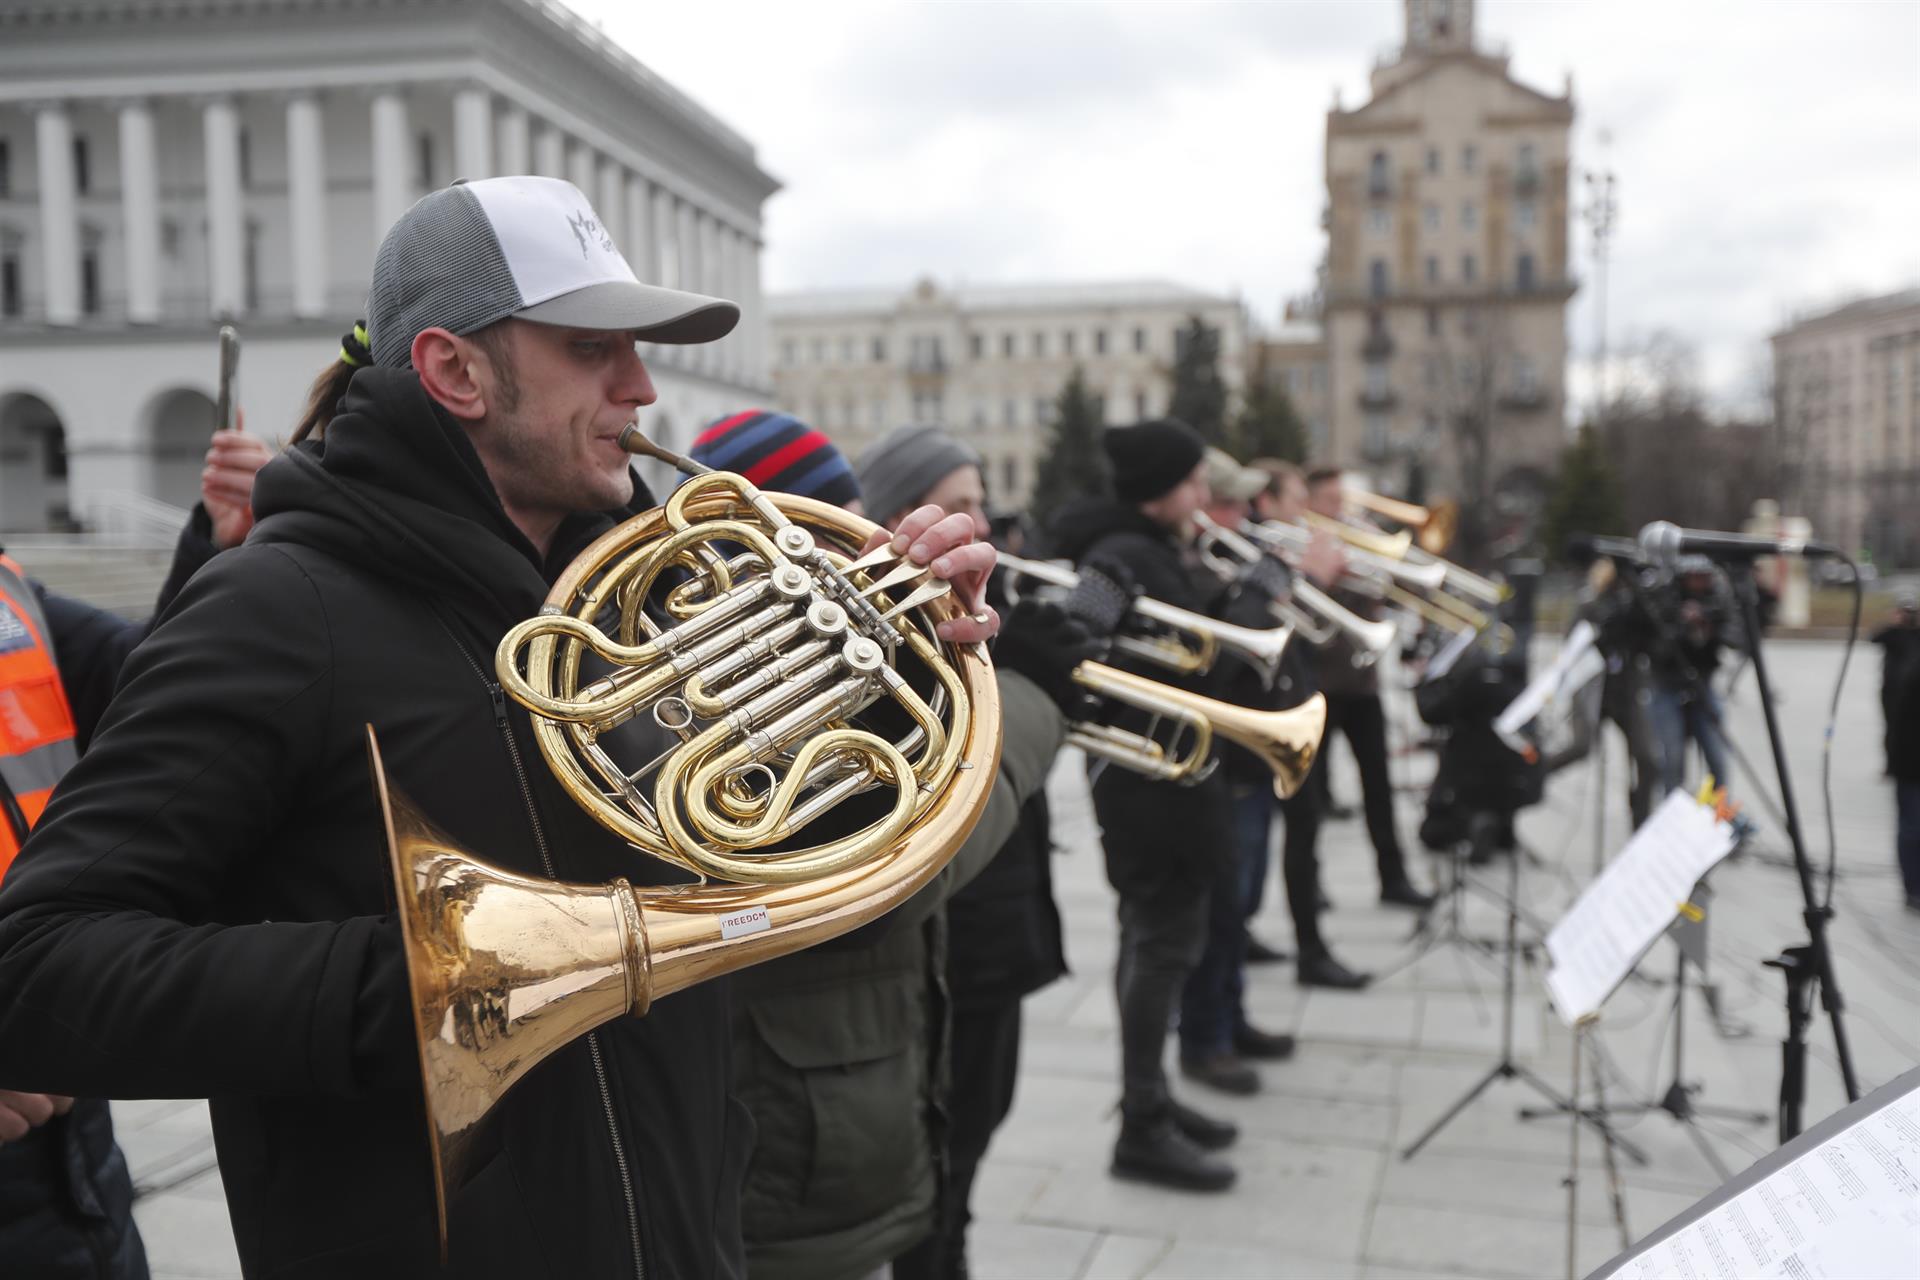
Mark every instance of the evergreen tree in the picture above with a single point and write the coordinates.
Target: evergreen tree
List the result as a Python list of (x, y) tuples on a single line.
[(1074, 464), (1267, 426), (1586, 495), (1199, 395)]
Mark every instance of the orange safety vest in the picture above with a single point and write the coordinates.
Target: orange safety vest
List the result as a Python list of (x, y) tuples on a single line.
[(36, 724)]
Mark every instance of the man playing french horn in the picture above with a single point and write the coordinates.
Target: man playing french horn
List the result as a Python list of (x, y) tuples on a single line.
[(206, 909)]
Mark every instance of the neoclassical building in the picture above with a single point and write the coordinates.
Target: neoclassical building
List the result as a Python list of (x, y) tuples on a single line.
[(169, 165), (1448, 267), (988, 362)]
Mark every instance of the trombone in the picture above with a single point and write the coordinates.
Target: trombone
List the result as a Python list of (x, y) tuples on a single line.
[(1433, 527), (1401, 547), (1277, 536), (1226, 552)]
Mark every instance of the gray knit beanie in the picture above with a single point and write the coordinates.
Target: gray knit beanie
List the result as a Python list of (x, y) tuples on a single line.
[(897, 471)]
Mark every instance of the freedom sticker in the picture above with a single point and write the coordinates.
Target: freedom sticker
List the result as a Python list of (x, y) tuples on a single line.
[(738, 924)]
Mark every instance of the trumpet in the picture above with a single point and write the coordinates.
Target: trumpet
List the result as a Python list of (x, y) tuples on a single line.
[(1203, 640), (1277, 535), (1227, 552)]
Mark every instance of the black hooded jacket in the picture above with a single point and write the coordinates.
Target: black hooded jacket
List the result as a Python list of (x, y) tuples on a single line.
[(205, 909)]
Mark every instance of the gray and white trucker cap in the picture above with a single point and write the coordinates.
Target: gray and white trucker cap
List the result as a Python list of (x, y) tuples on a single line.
[(532, 248)]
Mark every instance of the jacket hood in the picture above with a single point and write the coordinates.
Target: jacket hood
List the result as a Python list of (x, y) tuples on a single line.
[(396, 487), (1081, 523)]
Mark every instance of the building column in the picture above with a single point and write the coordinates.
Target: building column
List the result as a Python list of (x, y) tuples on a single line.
[(582, 170), (610, 202), (59, 214), (226, 216), (666, 241), (140, 211), (549, 152), (472, 133), (513, 154), (639, 229), (392, 183), (307, 204)]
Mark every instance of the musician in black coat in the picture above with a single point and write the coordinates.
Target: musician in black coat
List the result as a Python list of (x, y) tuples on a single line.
[(1165, 844)]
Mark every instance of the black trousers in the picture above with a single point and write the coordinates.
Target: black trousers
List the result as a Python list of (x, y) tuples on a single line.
[(986, 1063), (1361, 718), (1300, 857)]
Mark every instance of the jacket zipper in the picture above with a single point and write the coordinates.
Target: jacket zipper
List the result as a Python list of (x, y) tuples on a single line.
[(505, 727)]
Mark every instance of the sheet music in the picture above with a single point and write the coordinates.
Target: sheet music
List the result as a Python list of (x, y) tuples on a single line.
[(1576, 663), (1629, 904), (1847, 1208)]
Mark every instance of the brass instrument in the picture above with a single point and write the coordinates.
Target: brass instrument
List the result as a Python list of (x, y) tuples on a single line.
[(782, 634), (1387, 546), (1200, 638), (1277, 535), (1226, 552), (1286, 741), (1434, 527)]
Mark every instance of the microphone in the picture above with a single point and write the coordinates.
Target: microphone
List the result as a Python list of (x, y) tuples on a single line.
[(1665, 543)]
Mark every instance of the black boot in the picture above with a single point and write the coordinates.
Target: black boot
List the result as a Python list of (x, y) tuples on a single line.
[(1263, 1046), (1320, 969), (1202, 1129), (1157, 1151), (1222, 1071), (1403, 893), (1259, 952)]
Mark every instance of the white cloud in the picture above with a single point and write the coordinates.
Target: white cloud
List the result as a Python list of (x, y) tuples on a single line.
[(1768, 156)]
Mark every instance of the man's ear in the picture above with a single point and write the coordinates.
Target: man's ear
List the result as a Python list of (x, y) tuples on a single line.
[(454, 372)]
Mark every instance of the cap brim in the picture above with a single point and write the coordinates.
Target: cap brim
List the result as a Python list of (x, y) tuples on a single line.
[(648, 311)]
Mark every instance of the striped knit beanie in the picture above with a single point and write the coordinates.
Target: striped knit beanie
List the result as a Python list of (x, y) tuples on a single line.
[(778, 453)]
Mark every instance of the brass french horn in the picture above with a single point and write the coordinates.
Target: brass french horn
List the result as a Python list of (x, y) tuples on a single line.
[(795, 672)]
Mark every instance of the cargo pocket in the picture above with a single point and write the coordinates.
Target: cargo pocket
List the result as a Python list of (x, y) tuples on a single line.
[(857, 1054)]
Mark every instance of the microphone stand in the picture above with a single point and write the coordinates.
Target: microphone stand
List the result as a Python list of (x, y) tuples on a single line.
[(1809, 967)]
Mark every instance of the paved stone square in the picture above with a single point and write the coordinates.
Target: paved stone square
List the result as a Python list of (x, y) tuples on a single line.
[(1323, 1191)]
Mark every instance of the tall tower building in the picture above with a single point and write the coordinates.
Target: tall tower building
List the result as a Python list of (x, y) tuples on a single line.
[(1447, 273)]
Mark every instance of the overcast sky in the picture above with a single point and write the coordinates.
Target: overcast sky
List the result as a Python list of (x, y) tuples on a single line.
[(1767, 153)]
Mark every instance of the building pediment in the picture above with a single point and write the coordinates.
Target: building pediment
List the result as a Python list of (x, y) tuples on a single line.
[(1394, 108)]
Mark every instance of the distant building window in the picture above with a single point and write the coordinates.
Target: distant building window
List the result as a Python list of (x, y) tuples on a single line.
[(1523, 273), (1377, 278), (977, 346), (1469, 215), (879, 350), (1433, 160), (1179, 344), (1430, 217), (1469, 158), (1377, 174), (1009, 473), (1523, 215), (1066, 342), (1433, 269), (1379, 220), (1525, 162), (1039, 344), (245, 146), (82, 166), (1139, 340), (1043, 410), (9, 284), (1376, 435), (1009, 414), (846, 356), (1526, 379), (1376, 376), (1099, 342), (1433, 322), (423, 158), (819, 350), (786, 352), (1468, 267), (6, 169)]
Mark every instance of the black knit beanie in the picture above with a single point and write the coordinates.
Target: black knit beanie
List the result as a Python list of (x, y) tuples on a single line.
[(1150, 458)]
